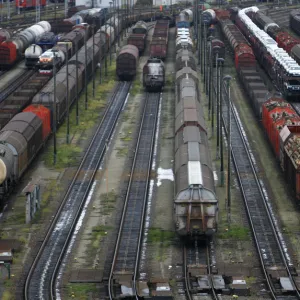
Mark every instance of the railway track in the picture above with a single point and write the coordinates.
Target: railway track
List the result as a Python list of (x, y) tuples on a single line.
[(198, 272), (271, 248), (40, 282), (125, 260), (12, 86)]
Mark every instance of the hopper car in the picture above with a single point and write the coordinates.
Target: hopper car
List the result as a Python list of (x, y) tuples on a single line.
[(154, 75), (281, 68), (12, 50), (195, 203)]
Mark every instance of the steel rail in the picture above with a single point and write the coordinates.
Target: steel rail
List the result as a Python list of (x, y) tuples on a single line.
[(41, 277), (253, 205), (187, 279), (133, 213), (12, 86)]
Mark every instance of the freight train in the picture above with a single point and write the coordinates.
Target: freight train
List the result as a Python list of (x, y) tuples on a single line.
[(11, 50), (280, 121), (195, 203), (26, 133), (159, 42), (19, 147), (138, 36), (282, 37), (44, 42), (282, 69)]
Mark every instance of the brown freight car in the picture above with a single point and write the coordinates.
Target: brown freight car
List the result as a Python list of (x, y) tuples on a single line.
[(127, 62), (159, 43), (138, 40)]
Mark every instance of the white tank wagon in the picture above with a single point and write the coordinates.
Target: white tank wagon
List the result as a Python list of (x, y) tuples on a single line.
[(32, 54), (13, 49)]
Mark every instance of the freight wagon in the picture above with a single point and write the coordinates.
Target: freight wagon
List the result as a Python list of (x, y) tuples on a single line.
[(195, 203), (281, 68), (12, 50), (29, 4), (127, 62), (159, 42)]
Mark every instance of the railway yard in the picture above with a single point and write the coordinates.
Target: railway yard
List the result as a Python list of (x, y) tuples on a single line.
[(133, 192)]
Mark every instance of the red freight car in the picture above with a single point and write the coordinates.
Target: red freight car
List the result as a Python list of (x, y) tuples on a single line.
[(138, 40), (290, 158), (159, 43), (276, 114), (28, 4), (44, 114)]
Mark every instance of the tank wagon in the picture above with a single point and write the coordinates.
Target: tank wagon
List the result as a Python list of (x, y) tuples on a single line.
[(154, 75), (159, 42), (12, 50), (281, 68), (182, 20), (140, 28), (47, 40), (32, 55), (208, 17), (127, 62), (195, 203)]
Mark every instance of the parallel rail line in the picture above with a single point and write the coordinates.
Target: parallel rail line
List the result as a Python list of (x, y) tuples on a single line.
[(40, 282), (267, 238), (198, 257), (128, 245), (12, 86)]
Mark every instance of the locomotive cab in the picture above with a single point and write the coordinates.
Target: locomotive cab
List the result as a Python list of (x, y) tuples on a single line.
[(154, 74)]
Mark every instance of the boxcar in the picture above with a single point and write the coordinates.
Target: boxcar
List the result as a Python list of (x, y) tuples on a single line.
[(127, 62)]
